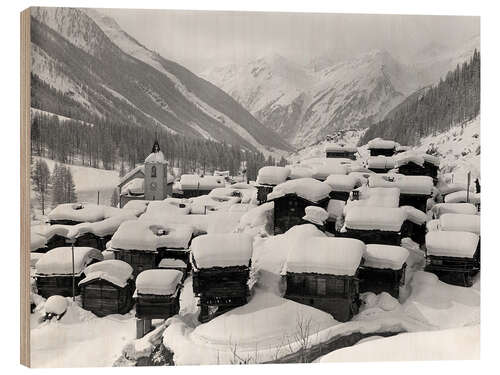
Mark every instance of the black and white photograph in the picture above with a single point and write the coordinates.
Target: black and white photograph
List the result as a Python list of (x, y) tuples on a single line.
[(250, 187)]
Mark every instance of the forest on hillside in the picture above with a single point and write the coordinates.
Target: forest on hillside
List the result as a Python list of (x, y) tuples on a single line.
[(102, 143), (433, 110)]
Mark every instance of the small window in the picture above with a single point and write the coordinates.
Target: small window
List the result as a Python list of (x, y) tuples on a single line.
[(153, 171)]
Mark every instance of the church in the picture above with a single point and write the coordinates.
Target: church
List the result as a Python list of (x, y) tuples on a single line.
[(149, 181)]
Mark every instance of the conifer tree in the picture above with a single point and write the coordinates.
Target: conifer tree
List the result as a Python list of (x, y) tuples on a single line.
[(40, 180)]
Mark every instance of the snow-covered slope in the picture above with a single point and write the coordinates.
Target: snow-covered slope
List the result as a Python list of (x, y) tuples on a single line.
[(133, 83)]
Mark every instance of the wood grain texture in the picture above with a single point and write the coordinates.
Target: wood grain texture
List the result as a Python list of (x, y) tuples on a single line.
[(25, 190)]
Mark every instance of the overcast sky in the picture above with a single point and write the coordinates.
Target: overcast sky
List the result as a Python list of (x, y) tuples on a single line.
[(202, 39)]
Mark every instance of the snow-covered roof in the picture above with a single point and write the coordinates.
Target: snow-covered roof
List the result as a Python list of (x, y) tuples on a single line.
[(325, 255), (315, 215), (385, 256), (223, 221), (133, 187), (300, 171), (83, 212), (58, 261), (155, 157), (454, 208), (375, 197), (137, 205), (151, 235), (115, 271), (331, 166), (461, 197), (271, 175), (340, 148), (242, 207), (246, 194), (307, 188), (37, 241), (432, 225), (375, 218), (169, 206), (401, 148), (381, 162), (421, 185), (194, 182), (161, 282), (127, 176), (343, 183), (172, 263), (55, 305), (415, 215), (382, 144), (456, 244), (222, 250), (335, 208), (460, 223)]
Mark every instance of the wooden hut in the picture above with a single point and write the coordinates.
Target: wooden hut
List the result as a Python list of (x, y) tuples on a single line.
[(221, 266), (383, 269), (174, 264), (76, 213), (267, 178), (382, 147), (107, 288), (291, 199), (340, 151), (157, 293), (453, 208), (380, 164), (414, 190), (415, 225), (460, 223), (323, 272), (453, 256), (342, 185), (329, 167), (411, 163), (375, 225), (54, 270)]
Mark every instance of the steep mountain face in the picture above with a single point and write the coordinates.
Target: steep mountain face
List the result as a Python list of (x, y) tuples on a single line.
[(106, 73), (303, 104)]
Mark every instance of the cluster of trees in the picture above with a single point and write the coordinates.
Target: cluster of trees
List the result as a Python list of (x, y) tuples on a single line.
[(56, 187), (435, 109), (106, 144)]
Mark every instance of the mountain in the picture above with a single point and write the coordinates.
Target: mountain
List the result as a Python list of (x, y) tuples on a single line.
[(104, 73), (303, 104), (434, 109)]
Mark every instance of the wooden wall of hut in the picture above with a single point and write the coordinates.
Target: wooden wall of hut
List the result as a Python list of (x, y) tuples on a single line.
[(104, 298)]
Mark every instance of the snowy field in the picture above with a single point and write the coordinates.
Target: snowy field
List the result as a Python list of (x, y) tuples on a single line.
[(434, 320)]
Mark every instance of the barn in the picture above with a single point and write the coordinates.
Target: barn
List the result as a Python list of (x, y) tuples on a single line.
[(383, 269), (107, 288), (267, 178), (411, 163), (342, 185), (157, 293), (340, 151), (291, 199), (54, 270), (221, 269), (453, 258), (375, 225), (76, 213), (379, 146), (323, 272)]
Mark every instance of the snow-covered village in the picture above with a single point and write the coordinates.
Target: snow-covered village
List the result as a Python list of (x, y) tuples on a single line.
[(254, 213)]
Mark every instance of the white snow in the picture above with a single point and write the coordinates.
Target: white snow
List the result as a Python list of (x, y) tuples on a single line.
[(460, 223), (83, 212), (414, 215), (194, 182), (171, 263), (315, 215), (460, 244), (421, 185), (461, 197), (328, 255), (375, 218), (155, 157), (454, 208), (330, 166), (385, 256), (381, 162), (58, 261), (160, 282), (379, 143), (37, 241), (56, 305), (271, 175), (221, 250), (375, 197), (133, 187), (340, 148), (115, 271), (432, 225), (453, 344), (335, 208), (342, 183), (307, 188), (137, 205), (300, 171)]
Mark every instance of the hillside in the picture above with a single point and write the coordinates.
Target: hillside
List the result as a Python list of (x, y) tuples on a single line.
[(87, 67), (435, 109)]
